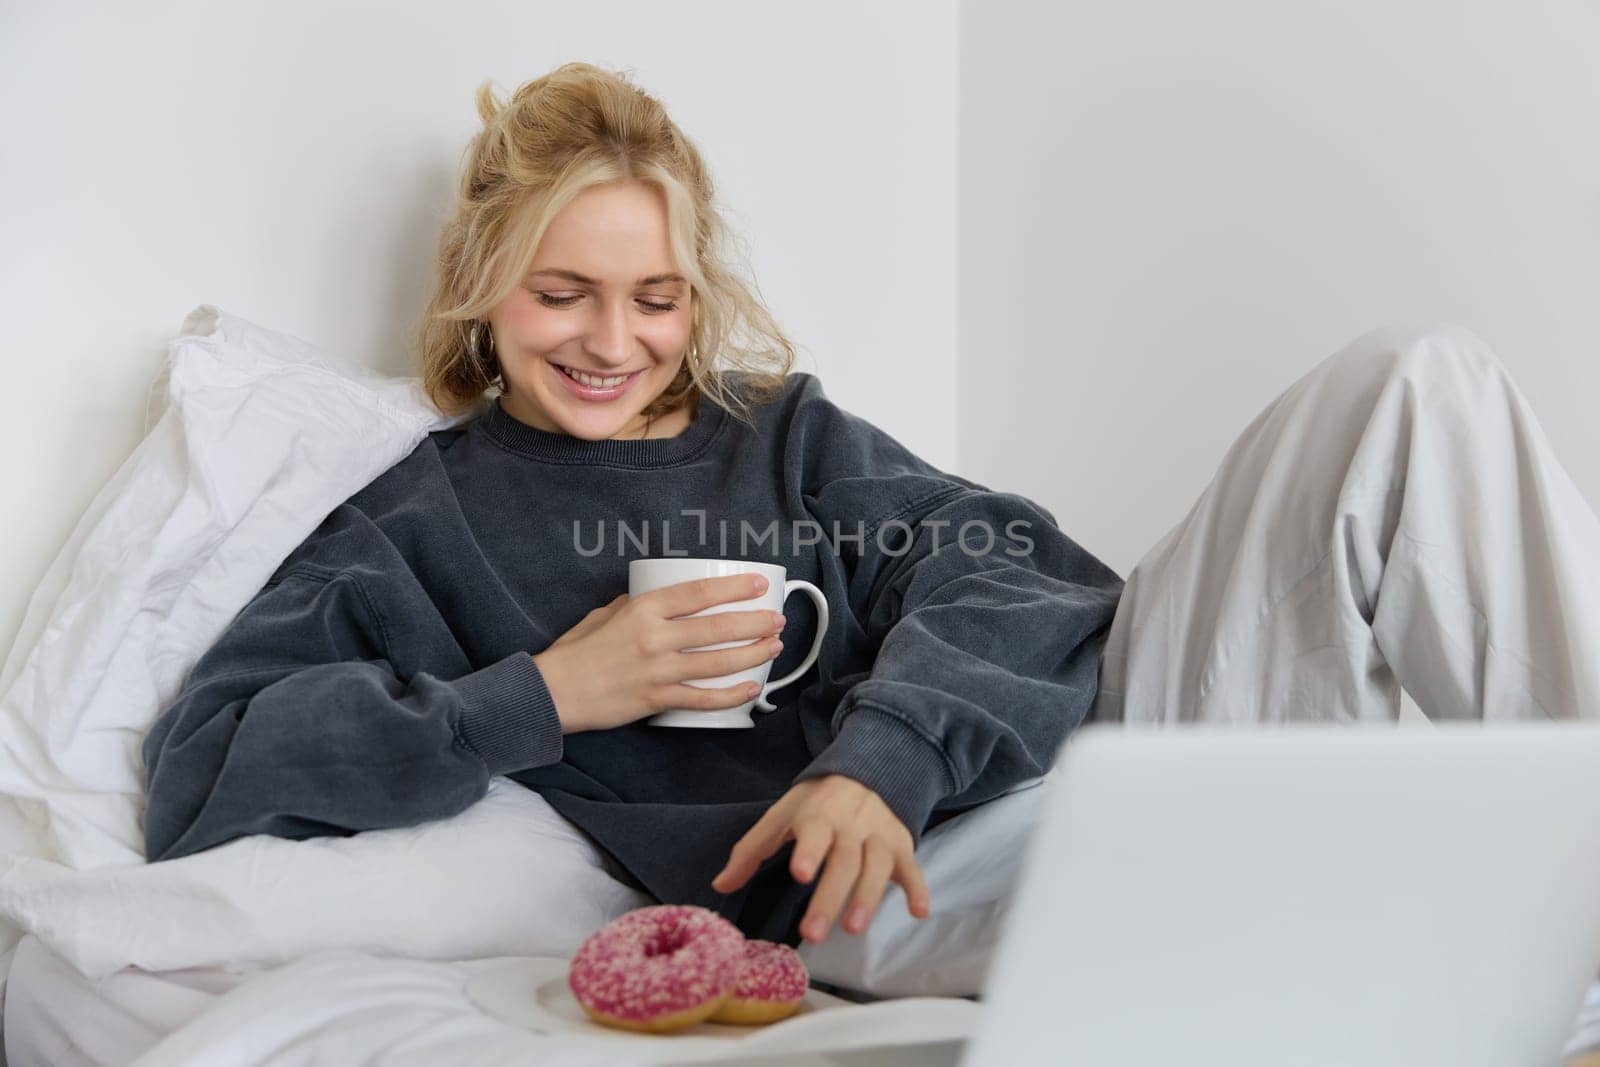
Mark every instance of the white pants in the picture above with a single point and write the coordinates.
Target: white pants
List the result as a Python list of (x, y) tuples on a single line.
[(1396, 517)]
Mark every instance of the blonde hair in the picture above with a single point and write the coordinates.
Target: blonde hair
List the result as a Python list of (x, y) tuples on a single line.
[(576, 127)]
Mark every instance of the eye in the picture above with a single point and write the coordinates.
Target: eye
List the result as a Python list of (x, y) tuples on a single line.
[(567, 301)]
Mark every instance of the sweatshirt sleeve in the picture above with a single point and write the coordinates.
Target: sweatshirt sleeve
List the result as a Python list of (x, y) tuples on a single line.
[(989, 624), (296, 722)]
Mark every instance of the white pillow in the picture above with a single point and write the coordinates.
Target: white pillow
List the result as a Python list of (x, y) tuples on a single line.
[(507, 877), (259, 439)]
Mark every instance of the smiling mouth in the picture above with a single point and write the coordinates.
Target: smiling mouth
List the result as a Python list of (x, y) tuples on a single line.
[(594, 374)]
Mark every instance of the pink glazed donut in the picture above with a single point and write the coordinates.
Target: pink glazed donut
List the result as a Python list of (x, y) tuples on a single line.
[(772, 982), (659, 968)]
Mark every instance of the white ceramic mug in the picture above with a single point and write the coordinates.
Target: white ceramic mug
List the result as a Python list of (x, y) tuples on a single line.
[(647, 574)]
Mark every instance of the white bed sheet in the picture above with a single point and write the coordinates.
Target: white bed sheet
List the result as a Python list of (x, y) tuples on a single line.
[(338, 1006), (333, 1007), (54, 1015)]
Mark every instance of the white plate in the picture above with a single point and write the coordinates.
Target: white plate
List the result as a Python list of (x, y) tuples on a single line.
[(531, 992)]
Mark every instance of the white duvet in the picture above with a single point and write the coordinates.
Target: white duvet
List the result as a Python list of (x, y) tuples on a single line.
[(252, 438)]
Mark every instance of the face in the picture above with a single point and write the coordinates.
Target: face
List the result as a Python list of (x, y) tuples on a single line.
[(602, 298)]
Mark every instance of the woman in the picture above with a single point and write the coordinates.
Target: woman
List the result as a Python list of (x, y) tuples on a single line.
[(462, 616)]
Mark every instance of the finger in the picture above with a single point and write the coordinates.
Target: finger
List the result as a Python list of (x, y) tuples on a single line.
[(718, 628), (812, 840), (909, 875), (719, 661), (844, 863), (700, 698), (686, 598), (875, 871), (760, 841)]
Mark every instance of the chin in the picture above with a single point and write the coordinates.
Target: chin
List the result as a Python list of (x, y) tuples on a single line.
[(602, 434), (593, 428)]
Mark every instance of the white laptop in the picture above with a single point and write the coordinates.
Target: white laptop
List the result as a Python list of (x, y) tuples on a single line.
[(1350, 895)]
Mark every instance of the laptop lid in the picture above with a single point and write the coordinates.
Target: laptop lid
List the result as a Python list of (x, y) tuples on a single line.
[(1306, 894)]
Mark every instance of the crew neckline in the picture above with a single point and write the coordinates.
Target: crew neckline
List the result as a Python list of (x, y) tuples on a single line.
[(552, 447)]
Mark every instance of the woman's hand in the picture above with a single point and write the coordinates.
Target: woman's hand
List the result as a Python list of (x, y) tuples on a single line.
[(626, 660), (865, 844)]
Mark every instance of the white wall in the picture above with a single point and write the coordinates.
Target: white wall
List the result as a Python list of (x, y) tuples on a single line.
[(287, 162), (1169, 212)]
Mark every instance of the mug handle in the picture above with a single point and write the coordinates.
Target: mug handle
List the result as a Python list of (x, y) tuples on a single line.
[(816, 645)]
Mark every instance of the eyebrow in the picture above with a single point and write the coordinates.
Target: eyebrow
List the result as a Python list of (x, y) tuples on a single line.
[(572, 275)]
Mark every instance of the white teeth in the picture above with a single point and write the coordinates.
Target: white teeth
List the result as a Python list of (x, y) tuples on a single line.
[(591, 380)]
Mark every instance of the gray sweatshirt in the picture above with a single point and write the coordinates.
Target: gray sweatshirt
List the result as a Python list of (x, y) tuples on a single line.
[(384, 672)]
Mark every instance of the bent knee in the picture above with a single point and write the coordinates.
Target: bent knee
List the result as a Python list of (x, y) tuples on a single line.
[(1418, 349)]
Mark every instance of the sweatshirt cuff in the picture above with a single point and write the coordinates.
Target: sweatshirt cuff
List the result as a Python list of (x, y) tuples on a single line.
[(883, 753), (508, 716)]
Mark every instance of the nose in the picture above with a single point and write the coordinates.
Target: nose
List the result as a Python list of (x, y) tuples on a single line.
[(609, 339)]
